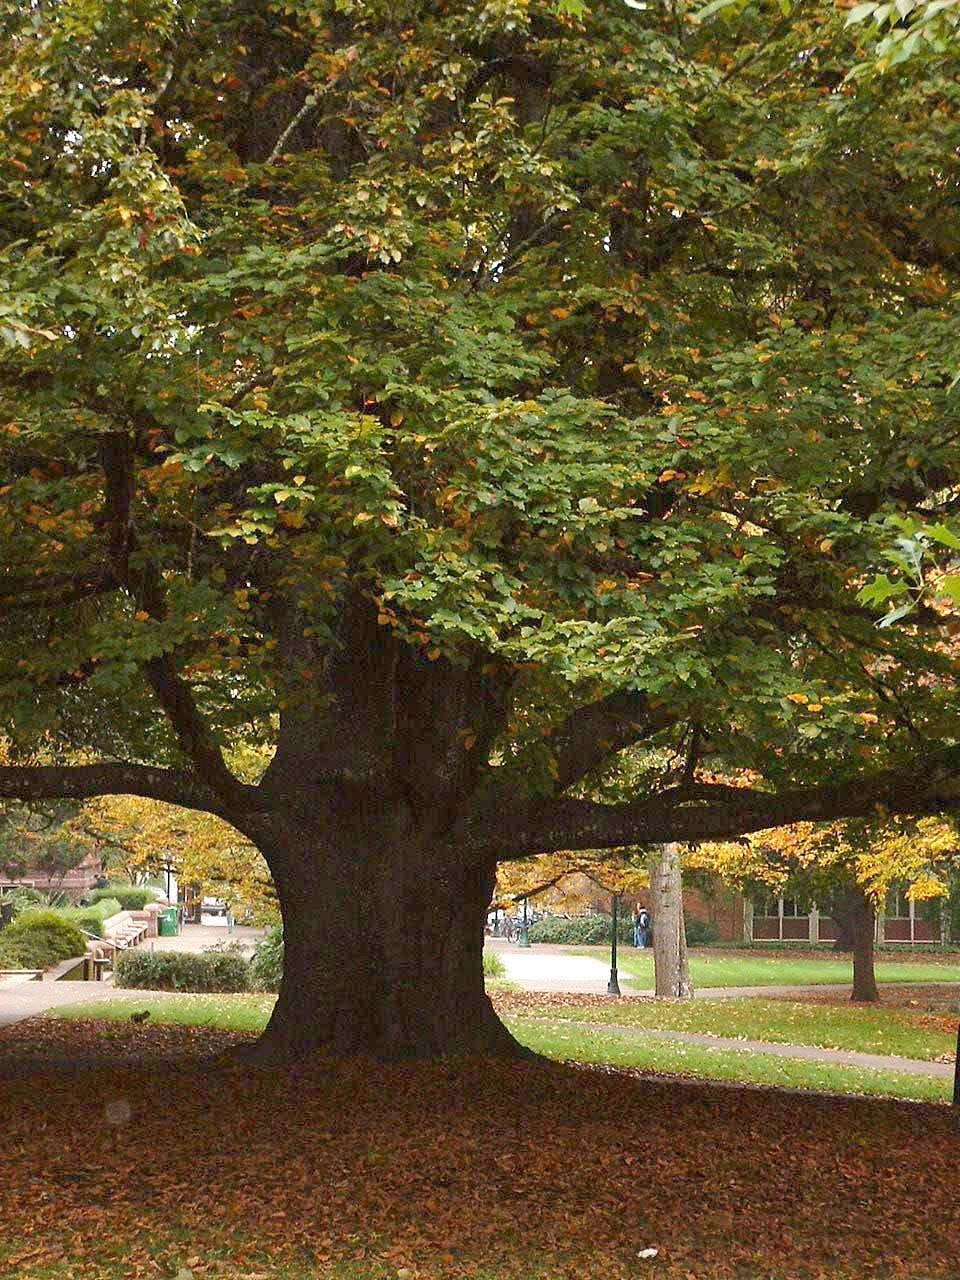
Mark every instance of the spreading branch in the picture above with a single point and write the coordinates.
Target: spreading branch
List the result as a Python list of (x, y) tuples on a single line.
[(593, 733), (686, 813), (146, 585), (86, 781), (19, 595)]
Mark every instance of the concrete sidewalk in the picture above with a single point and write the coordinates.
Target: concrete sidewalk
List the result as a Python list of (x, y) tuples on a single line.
[(197, 938), (27, 999), (553, 970), (24, 999), (803, 1052)]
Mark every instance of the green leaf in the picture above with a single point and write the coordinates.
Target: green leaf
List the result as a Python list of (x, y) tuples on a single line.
[(944, 535), (859, 13), (880, 589), (895, 615)]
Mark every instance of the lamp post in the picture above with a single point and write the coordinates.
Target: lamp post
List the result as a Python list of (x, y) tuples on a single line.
[(613, 986), (524, 940)]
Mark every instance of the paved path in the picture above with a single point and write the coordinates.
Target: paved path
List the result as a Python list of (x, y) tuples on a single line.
[(27, 999), (19, 1000), (804, 1052), (197, 938), (553, 970)]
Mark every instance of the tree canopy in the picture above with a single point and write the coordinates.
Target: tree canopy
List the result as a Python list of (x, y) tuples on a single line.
[(450, 396)]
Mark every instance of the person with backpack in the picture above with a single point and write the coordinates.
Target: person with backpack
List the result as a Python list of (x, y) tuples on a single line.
[(641, 927)]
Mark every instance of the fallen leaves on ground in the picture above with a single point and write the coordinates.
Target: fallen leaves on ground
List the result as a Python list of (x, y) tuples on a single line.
[(934, 1004), (507, 1002), (449, 1170), (929, 1007)]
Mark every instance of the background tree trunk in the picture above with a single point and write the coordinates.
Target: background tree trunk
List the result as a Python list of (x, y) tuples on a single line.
[(856, 919), (383, 944), (946, 923), (669, 943)]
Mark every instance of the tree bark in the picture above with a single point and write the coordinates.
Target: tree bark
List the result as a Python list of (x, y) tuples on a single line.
[(946, 923), (669, 942), (383, 942), (855, 916)]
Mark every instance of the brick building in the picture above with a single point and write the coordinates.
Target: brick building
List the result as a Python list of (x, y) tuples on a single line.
[(75, 883), (770, 918)]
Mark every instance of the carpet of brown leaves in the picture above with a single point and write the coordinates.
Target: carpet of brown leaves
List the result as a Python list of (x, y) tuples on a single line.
[(446, 1170), (931, 1008), (933, 998)]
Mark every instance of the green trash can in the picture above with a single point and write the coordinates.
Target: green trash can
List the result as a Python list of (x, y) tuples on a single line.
[(168, 923)]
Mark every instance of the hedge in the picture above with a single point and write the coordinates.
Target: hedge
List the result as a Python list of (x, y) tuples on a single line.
[(131, 897), (39, 940), (91, 918), (593, 931), (266, 967), (700, 934), (181, 971), (582, 931)]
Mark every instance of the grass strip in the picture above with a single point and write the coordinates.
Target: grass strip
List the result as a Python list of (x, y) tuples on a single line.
[(859, 1028), (721, 970), (675, 1058)]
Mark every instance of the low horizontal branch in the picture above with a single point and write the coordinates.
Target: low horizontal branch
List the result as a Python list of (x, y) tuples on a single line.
[(18, 595), (87, 781), (927, 785)]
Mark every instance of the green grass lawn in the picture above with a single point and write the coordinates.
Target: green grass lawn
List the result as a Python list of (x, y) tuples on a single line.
[(231, 1012), (866, 1030), (250, 1013), (744, 970), (675, 1058)]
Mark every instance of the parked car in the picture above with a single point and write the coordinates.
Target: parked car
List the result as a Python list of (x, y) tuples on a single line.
[(216, 912)]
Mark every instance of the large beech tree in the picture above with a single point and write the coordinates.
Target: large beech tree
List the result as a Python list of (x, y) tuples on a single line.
[(450, 396)]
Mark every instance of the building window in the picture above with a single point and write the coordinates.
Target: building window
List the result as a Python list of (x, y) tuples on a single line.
[(897, 905)]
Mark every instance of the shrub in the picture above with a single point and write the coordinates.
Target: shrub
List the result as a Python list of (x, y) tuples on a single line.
[(129, 897), (40, 939), (180, 971), (700, 934), (493, 966), (582, 931), (266, 967), (24, 898), (91, 918)]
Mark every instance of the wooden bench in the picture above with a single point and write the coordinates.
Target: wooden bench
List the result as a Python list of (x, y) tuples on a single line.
[(122, 931)]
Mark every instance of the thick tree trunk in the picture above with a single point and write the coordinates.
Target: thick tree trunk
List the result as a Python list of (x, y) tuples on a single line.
[(383, 943), (856, 920), (669, 942)]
